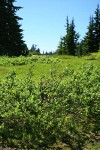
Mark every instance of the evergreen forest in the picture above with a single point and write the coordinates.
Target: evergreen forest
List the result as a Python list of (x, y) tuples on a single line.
[(70, 44)]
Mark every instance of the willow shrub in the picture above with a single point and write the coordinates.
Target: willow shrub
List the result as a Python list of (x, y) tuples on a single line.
[(63, 107)]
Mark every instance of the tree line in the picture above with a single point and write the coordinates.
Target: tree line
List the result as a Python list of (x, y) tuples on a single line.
[(11, 36), (70, 45)]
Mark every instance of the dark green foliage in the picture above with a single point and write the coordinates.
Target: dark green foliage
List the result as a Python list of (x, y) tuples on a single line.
[(62, 47), (3, 26), (97, 28), (11, 38), (91, 42), (92, 39), (34, 50), (25, 51), (68, 43), (71, 39)]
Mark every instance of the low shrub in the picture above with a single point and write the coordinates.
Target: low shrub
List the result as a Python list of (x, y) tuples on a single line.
[(63, 107)]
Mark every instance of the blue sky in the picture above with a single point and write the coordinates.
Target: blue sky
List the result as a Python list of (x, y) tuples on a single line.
[(44, 20)]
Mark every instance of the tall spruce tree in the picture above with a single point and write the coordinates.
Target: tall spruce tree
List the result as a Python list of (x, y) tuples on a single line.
[(89, 39), (97, 28), (91, 35), (3, 26), (71, 39), (11, 38), (68, 44)]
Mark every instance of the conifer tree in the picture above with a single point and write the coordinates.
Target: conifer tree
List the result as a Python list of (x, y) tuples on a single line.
[(12, 43), (61, 50), (3, 27), (60, 47), (71, 39), (68, 44), (92, 39), (97, 28), (89, 40)]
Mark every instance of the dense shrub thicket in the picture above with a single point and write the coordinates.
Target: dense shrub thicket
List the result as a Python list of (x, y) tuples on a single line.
[(63, 108)]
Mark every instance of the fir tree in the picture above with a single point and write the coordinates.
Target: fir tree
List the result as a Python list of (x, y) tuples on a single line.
[(12, 43), (97, 28), (60, 47), (92, 39), (68, 44), (34, 50), (89, 40), (71, 39), (3, 27)]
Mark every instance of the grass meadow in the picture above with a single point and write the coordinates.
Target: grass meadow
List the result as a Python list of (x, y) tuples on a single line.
[(42, 65)]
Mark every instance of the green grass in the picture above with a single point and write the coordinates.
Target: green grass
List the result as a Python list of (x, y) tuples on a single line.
[(42, 65)]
